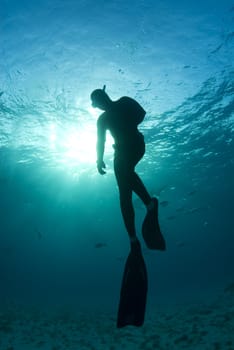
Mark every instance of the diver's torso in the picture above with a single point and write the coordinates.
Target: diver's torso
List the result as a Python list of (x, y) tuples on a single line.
[(121, 123)]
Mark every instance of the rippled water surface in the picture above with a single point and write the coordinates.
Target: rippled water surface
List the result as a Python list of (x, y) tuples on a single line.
[(177, 60)]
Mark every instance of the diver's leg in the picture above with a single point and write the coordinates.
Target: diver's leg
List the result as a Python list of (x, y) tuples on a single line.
[(137, 185), (127, 210), (123, 175), (139, 188)]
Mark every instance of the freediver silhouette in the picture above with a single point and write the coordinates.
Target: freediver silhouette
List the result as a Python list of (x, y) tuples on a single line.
[(122, 118)]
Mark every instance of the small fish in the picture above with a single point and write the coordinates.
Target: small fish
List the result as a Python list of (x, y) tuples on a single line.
[(192, 193), (180, 244), (229, 289), (193, 210), (196, 210), (1, 93), (157, 192), (164, 203), (172, 217), (39, 234), (180, 209), (100, 245)]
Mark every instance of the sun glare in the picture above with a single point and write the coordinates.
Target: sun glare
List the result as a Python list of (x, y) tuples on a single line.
[(76, 145), (81, 145)]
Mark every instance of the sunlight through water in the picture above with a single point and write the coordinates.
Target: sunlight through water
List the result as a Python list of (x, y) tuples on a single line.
[(45, 108), (63, 240)]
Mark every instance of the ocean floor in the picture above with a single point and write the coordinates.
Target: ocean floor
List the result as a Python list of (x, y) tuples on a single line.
[(191, 326)]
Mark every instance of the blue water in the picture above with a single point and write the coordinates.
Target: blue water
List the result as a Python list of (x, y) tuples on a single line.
[(175, 58)]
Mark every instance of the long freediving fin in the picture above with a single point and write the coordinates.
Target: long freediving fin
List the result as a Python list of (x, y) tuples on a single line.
[(133, 293)]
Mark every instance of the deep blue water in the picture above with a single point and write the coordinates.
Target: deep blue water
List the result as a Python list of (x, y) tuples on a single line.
[(174, 57)]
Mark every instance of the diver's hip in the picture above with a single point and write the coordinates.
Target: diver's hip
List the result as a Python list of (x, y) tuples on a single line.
[(132, 143)]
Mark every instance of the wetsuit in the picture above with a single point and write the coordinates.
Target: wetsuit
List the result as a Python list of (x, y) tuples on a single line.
[(122, 119)]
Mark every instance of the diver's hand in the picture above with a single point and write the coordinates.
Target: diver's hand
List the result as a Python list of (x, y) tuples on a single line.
[(100, 166)]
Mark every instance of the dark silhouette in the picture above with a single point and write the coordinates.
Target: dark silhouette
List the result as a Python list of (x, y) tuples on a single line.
[(122, 118), (134, 289)]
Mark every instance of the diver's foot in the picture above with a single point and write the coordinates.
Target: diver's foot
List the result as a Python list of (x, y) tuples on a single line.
[(150, 228)]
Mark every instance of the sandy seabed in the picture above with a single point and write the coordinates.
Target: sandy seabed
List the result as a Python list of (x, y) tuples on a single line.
[(191, 326)]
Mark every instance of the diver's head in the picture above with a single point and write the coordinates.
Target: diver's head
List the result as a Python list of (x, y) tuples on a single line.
[(100, 99)]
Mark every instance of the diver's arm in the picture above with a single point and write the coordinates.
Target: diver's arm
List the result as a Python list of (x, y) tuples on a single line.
[(100, 148)]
